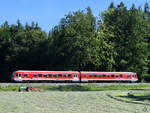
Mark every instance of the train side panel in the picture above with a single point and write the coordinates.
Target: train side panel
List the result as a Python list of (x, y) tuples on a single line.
[(45, 76), (73, 76), (108, 76)]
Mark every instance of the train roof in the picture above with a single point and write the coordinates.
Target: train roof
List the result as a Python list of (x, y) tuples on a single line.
[(72, 71), (105, 72), (42, 71)]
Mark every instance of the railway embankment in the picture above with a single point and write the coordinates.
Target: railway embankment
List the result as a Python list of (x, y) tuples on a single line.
[(76, 86)]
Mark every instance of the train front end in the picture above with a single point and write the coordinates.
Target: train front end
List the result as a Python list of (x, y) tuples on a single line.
[(12, 76), (134, 77), (16, 77)]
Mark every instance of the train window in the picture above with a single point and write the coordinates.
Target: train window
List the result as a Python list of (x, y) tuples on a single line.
[(40, 75), (16, 74), (50, 75), (95, 75), (64, 75), (99, 75), (19, 74), (132, 75), (90, 75), (121, 76), (84, 75), (108, 75), (34, 74), (112, 75), (104, 75), (45, 75), (69, 75), (55, 75), (59, 75), (25, 75), (117, 76), (74, 75), (128, 75)]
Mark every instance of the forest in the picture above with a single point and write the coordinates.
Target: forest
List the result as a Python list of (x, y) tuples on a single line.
[(118, 39)]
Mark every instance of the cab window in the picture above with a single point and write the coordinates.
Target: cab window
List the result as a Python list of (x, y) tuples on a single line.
[(16, 74)]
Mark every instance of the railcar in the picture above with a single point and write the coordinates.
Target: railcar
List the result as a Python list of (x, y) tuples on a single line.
[(73, 76), (109, 76), (21, 76)]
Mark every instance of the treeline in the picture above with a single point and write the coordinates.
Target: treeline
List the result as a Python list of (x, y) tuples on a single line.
[(116, 41)]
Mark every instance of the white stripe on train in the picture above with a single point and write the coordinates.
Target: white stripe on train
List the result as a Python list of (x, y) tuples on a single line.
[(83, 80)]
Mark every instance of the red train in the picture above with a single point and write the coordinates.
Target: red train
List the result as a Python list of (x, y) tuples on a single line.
[(73, 76)]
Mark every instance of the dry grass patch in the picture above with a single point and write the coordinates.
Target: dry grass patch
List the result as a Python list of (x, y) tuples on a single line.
[(65, 102)]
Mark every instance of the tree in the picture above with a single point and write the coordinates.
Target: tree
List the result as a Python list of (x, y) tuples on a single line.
[(72, 41), (26, 48), (5, 25), (5, 44), (111, 5), (19, 26), (129, 29)]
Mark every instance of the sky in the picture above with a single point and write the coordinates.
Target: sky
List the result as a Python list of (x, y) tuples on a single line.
[(49, 12)]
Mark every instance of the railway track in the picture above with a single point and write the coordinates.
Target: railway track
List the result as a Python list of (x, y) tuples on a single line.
[(61, 84)]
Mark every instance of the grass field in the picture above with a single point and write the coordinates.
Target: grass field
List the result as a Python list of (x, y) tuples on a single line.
[(67, 102), (86, 87), (137, 97), (76, 99)]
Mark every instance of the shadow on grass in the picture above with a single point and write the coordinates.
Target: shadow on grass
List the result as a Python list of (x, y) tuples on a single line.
[(138, 98), (140, 89), (72, 88), (90, 88)]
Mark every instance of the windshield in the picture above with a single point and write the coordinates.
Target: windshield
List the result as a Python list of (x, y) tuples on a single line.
[(12, 75)]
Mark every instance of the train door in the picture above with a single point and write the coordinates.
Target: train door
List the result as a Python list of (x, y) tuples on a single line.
[(75, 77), (19, 76), (79, 76)]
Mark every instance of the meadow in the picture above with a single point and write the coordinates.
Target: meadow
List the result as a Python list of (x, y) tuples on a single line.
[(68, 102), (76, 87)]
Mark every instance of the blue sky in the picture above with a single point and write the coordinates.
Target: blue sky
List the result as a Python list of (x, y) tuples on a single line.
[(49, 12)]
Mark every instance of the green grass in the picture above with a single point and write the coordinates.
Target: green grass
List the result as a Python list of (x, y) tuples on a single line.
[(138, 97), (9, 88), (79, 87), (92, 87)]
